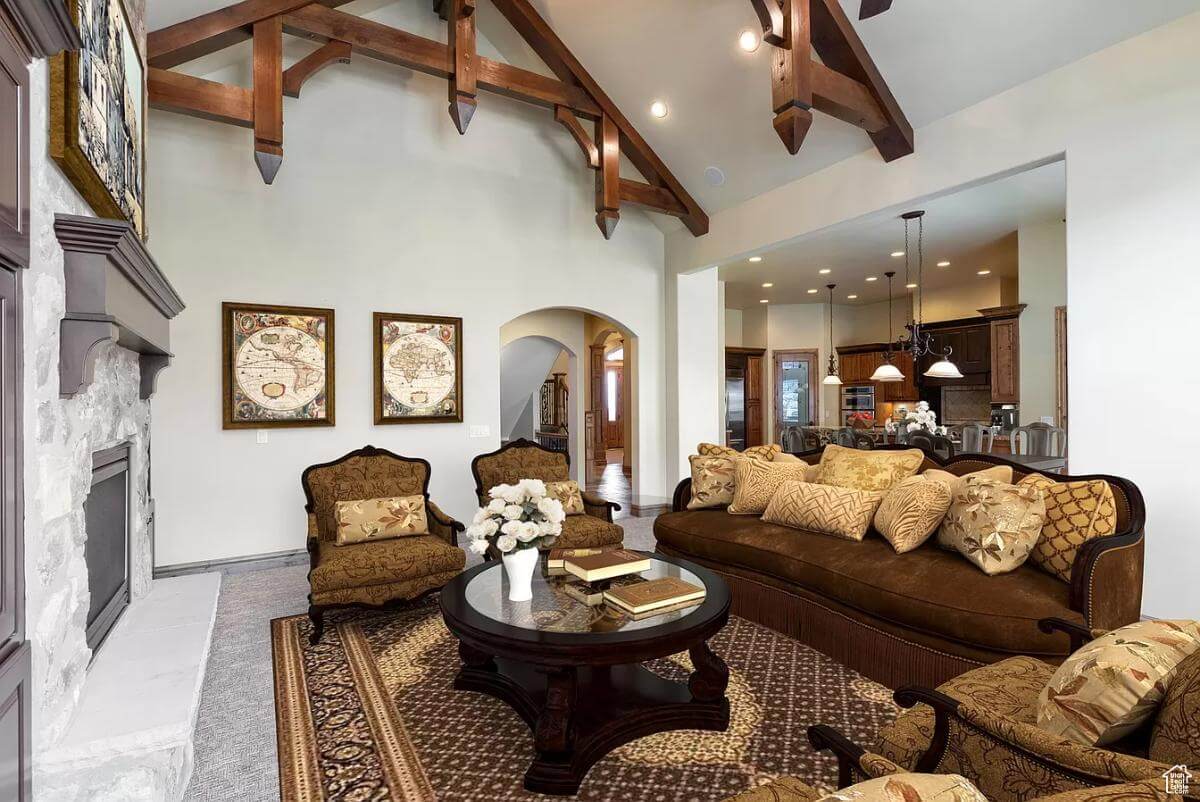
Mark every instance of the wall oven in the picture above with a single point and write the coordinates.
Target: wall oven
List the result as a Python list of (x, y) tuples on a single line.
[(858, 399)]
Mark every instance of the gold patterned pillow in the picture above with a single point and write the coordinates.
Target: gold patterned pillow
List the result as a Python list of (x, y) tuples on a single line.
[(993, 524), (756, 481), (380, 519), (1175, 736), (712, 481), (1076, 512), (911, 512), (867, 470), (840, 511), (954, 483), (1111, 686), (767, 452), (908, 787), (568, 494)]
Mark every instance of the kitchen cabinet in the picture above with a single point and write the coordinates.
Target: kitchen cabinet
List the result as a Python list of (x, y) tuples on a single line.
[(970, 348), (1005, 362), (905, 390), (856, 368)]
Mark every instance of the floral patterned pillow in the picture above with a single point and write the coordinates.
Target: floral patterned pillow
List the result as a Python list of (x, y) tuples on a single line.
[(568, 494), (380, 519), (1111, 686), (867, 470), (712, 481), (909, 788), (993, 524)]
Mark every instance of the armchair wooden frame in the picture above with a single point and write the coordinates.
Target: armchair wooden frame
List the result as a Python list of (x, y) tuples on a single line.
[(442, 526)]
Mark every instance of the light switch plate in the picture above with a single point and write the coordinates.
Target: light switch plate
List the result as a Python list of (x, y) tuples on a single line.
[(260, 436), (481, 431)]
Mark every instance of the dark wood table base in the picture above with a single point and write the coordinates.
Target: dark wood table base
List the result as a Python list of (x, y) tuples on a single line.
[(580, 714)]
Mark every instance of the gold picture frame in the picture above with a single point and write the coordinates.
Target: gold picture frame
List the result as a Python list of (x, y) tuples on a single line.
[(414, 356), (98, 112), (277, 366)]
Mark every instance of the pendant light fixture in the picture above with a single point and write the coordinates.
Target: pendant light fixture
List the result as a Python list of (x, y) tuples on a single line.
[(831, 373), (919, 340), (888, 372)]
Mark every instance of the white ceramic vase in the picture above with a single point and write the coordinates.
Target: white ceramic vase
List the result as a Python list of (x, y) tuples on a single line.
[(519, 565)]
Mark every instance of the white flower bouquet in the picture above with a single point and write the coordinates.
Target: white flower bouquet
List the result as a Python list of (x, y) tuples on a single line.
[(922, 419), (519, 516)]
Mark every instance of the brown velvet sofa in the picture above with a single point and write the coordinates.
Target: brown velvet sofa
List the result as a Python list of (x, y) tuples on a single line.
[(920, 617), (525, 459)]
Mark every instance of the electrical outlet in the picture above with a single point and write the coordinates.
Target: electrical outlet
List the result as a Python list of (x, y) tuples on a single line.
[(261, 437), (481, 431)]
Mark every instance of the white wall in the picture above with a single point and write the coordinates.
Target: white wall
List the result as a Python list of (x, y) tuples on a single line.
[(698, 391), (733, 328), (379, 206), (1132, 205), (1043, 286), (962, 300)]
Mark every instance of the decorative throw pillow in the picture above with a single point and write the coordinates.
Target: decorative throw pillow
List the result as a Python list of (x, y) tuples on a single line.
[(867, 470), (1175, 737), (380, 519), (568, 494), (993, 524), (755, 482), (712, 481), (767, 452), (1111, 686), (840, 511), (911, 512), (1076, 512), (909, 788), (954, 483)]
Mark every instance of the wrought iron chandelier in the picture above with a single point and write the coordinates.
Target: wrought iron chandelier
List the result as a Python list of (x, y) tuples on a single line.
[(831, 373), (919, 341)]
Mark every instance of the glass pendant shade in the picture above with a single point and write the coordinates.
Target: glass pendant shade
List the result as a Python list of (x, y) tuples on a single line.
[(945, 369), (887, 372), (831, 380)]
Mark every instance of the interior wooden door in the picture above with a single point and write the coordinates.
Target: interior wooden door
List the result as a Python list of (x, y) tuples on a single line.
[(614, 414), (754, 400), (596, 374)]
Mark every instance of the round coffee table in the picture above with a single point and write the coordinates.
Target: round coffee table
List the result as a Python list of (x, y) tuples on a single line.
[(574, 672)]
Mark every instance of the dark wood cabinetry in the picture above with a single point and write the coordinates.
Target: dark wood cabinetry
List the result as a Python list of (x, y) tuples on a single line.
[(902, 390), (858, 363)]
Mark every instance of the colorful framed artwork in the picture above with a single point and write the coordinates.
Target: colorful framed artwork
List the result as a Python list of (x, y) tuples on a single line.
[(98, 112), (277, 366), (418, 368)]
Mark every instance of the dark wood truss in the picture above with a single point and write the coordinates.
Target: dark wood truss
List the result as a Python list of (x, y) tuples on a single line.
[(573, 95)]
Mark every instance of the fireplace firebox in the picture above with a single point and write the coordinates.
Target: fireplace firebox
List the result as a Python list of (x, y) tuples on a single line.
[(106, 551)]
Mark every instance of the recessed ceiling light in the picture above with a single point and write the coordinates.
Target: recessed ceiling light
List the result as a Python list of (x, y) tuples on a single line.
[(748, 40), (755, 259), (982, 272), (911, 286), (812, 292), (764, 301), (943, 263), (851, 297), (768, 285), (897, 254), (872, 278), (658, 109), (824, 271)]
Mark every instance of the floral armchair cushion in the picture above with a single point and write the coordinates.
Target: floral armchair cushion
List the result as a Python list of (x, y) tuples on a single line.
[(361, 476), (510, 465)]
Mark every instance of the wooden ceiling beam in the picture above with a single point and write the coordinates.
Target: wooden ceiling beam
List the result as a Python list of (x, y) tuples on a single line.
[(268, 96), (216, 30), (846, 99), (608, 177), (770, 15), (197, 97), (461, 42), (591, 154), (385, 43), (871, 8), (841, 49), (791, 76), (562, 62), (648, 196), (332, 52)]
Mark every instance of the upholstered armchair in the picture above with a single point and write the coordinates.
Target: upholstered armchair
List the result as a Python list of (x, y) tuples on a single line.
[(525, 459), (857, 765), (983, 725), (380, 572)]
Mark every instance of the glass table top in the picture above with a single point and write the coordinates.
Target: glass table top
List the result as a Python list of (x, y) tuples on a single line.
[(552, 610)]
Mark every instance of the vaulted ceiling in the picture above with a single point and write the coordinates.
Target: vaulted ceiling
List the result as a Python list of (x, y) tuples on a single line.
[(937, 56)]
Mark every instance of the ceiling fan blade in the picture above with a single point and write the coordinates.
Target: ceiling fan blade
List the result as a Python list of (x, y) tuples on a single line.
[(871, 8)]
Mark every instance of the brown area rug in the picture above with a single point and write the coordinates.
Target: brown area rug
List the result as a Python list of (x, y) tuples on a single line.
[(370, 714)]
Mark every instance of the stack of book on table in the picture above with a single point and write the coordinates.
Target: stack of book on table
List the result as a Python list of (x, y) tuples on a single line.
[(598, 576), (654, 596)]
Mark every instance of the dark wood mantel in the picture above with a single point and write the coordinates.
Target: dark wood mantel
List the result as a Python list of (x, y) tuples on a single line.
[(115, 291)]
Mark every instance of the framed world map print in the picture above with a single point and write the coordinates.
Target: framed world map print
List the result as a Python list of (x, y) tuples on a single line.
[(418, 369), (98, 112), (278, 366)]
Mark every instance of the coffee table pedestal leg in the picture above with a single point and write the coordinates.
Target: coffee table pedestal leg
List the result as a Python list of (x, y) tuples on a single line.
[(710, 676)]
